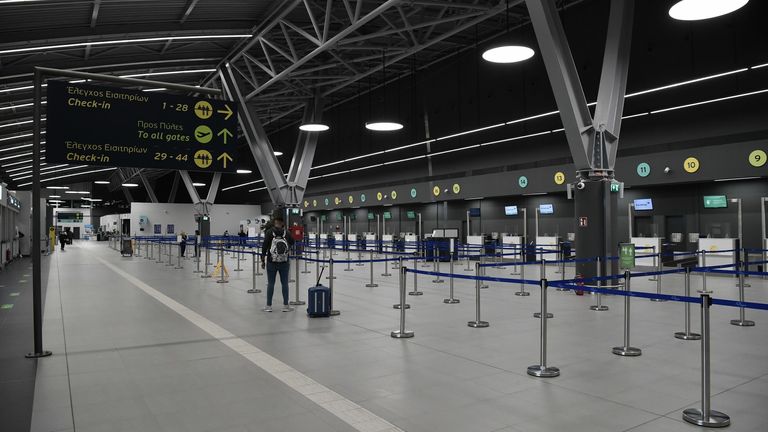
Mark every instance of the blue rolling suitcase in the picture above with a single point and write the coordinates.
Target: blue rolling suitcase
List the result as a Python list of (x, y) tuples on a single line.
[(319, 300)]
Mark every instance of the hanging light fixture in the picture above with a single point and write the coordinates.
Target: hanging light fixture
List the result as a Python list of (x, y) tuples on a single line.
[(508, 52), (694, 10), (382, 124), (314, 127)]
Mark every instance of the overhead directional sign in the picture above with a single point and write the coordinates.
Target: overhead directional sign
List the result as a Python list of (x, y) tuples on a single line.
[(112, 126)]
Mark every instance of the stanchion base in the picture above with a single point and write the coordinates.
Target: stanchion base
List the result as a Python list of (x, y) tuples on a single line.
[(451, 301), (627, 351), (522, 293), (178, 268), (598, 308), (334, 313), (743, 323), (305, 272), (652, 279), (359, 264), (253, 291), (328, 277), (38, 355), (415, 293), (562, 289), (397, 306), (386, 274), (538, 315), (469, 270), (222, 281), (401, 335), (349, 269), (716, 419), (259, 274), (197, 271), (206, 276), (687, 336), (371, 285), (241, 270), (297, 303), (543, 371), (438, 281), (658, 300), (291, 280), (484, 287), (478, 324)]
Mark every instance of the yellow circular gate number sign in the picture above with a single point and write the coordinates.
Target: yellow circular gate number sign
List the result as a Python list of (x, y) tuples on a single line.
[(757, 158), (456, 188), (559, 178), (691, 165), (379, 196), (436, 191)]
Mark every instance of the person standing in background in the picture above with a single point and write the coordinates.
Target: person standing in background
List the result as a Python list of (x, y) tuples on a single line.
[(197, 243), (182, 244), (275, 257)]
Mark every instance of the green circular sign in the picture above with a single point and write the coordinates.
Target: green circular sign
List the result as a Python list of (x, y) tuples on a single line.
[(327, 201), (362, 197), (643, 169), (413, 193), (522, 181)]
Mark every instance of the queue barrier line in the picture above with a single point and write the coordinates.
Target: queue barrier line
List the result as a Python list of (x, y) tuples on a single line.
[(471, 277)]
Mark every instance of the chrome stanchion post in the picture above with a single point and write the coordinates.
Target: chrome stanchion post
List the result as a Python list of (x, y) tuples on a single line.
[(333, 311), (330, 275), (543, 275), (402, 333), (742, 321), (349, 262), (541, 370), (170, 255), (237, 257), (656, 259), (451, 299), (371, 284), (660, 268), (207, 261), (306, 270), (705, 416), (386, 265), (178, 261), (626, 350), (483, 283), (407, 306), (221, 269), (687, 335), (253, 289), (197, 264), (562, 270), (436, 266), (522, 291), (415, 291), (599, 307), (296, 301), (477, 323), (703, 273)]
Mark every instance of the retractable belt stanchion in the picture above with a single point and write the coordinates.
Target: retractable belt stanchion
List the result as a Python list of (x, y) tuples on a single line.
[(705, 416), (178, 261), (291, 271), (399, 305), (402, 333), (170, 254), (742, 321), (333, 311), (561, 258), (541, 370), (704, 273), (306, 270), (359, 262), (656, 259), (159, 252), (349, 262), (562, 271), (469, 258), (197, 262), (386, 265), (436, 265), (330, 275), (477, 323), (207, 259), (296, 301), (253, 289), (221, 268), (543, 275), (371, 284), (499, 256), (522, 291), (599, 307), (626, 350), (138, 248), (415, 291), (482, 270), (451, 299), (237, 257), (150, 252), (687, 335), (515, 259), (659, 268)]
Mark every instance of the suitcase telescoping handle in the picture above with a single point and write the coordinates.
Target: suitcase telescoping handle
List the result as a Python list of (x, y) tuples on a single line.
[(320, 276)]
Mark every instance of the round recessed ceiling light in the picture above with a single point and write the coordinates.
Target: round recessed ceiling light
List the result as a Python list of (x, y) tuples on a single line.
[(57, 187), (314, 127), (129, 185), (278, 153), (383, 126), (508, 54), (102, 182), (244, 171), (198, 184), (694, 10)]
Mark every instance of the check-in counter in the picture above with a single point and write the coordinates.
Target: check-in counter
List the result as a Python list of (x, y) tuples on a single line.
[(550, 243), (411, 242), (475, 243), (371, 241), (388, 242), (648, 245), (713, 245), (352, 241), (512, 246)]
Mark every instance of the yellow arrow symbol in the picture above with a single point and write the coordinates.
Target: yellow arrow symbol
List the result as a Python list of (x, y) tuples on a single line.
[(226, 158), (225, 132), (228, 111)]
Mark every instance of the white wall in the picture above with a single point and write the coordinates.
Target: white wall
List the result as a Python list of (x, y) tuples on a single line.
[(111, 222), (182, 216)]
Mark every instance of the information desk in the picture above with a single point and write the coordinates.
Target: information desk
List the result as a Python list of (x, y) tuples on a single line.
[(646, 246), (712, 245)]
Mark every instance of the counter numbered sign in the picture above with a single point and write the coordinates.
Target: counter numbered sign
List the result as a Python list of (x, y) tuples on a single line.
[(559, 178), (757, 158), (113, 126), (691, 165)]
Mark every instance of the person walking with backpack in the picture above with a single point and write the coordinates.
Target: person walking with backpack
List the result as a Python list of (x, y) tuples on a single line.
[(274, 256)]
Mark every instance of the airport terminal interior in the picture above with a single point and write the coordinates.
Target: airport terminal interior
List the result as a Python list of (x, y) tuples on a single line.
[(383, 216)]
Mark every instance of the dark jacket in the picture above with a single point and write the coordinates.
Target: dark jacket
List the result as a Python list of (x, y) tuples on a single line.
[(268, 236)]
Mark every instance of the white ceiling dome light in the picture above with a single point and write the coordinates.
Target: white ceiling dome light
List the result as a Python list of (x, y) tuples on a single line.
[(314, 127), (508, 54), (695, 10), (383, 126), (244, 171)]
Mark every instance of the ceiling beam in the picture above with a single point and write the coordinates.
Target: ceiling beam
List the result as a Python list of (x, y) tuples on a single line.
[(190, 7), (95, 12)]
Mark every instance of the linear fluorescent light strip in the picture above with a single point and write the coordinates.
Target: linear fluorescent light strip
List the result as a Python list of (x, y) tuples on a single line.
[(19, 123), (24, 105), (42, 170), (70, 175), (737, 178), (120, 42)]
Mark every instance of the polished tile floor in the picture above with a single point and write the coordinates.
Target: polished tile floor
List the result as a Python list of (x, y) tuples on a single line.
[(141, 346)]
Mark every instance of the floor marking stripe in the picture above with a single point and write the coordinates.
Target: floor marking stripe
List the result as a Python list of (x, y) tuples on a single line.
[(349, 412)]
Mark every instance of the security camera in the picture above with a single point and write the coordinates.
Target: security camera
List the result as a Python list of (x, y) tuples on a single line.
[(580, 185), (667, 170)]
